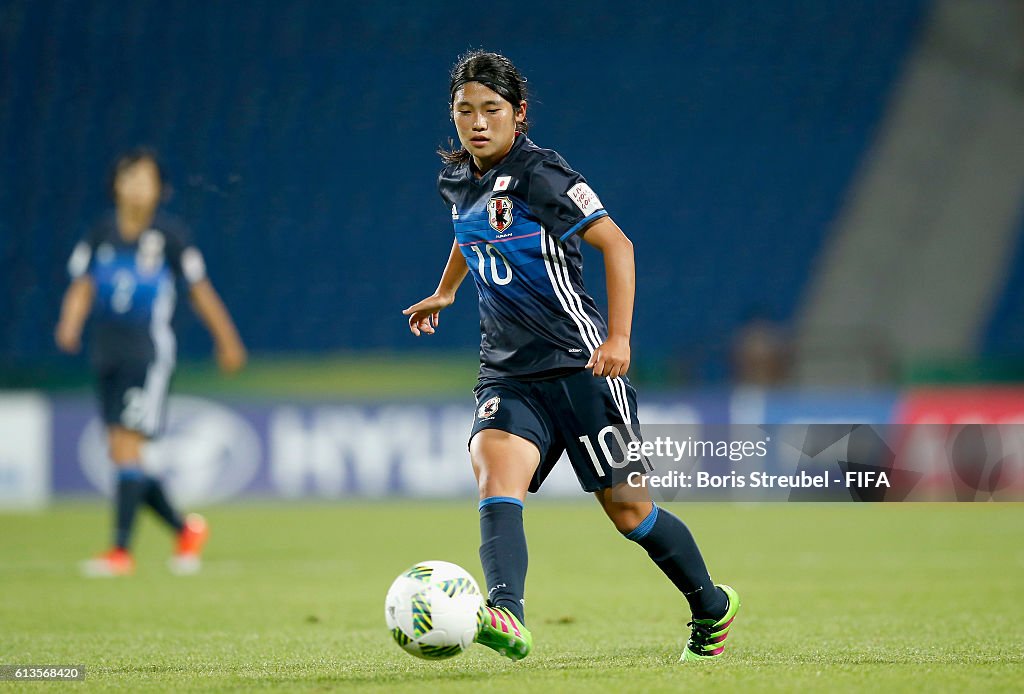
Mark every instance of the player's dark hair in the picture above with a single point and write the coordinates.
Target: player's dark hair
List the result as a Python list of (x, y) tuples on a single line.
[(129, 159), (494, 71)]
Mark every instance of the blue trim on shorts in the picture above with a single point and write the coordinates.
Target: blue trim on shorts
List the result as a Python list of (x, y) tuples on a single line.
[(646, 525), (499, 500)]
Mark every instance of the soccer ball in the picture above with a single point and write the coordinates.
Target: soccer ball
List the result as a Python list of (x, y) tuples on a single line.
[(432, 610)]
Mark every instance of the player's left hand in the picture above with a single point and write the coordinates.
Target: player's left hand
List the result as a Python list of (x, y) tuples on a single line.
[(424, 316), (611, 358), (231, 357)]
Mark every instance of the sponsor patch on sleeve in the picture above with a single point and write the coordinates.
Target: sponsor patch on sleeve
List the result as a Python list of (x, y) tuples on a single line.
[(585, 198)]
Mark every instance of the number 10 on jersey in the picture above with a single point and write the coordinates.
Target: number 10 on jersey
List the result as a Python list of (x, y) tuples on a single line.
[(500, 279)]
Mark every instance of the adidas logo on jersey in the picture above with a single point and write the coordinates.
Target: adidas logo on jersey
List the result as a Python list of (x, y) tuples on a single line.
[(455, 212)]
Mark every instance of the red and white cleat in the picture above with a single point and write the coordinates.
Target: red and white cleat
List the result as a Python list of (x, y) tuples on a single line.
[(186, 559), (115, 562)]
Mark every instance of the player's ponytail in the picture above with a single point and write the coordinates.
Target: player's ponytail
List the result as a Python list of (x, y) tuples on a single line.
[(494, 71)]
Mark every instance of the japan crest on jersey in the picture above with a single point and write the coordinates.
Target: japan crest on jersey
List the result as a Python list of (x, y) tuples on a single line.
[(487, 410), (499, 213)]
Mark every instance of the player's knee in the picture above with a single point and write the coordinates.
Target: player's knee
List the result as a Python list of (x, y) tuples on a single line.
[(497, 485), (125, 446), (503, 463), (627, 515)]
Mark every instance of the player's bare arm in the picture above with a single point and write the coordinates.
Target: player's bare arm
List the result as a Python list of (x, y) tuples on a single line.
[(612, 357), (424, 315), (231, 354), (74, 310)]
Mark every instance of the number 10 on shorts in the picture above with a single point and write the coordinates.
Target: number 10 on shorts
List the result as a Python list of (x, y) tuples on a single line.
[(602, 442)]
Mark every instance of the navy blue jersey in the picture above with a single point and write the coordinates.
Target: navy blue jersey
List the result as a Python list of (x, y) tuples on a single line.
[(135, 287), (517, 226)]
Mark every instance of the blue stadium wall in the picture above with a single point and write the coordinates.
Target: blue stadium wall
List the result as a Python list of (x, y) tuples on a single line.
[(299, 138), (1004, 334)]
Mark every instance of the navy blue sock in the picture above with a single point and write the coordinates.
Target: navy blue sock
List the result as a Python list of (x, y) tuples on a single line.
[(669, 543), (156, 499), (130, 484), (503, 552)]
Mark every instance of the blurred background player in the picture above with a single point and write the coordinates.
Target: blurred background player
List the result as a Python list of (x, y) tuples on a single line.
[(125, 272), (520, 213)]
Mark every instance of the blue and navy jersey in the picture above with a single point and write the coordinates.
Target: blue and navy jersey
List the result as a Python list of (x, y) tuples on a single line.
[(518, 227), (135, 287)]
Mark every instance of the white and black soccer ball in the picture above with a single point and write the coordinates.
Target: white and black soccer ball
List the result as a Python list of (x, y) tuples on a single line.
[(432, 610)]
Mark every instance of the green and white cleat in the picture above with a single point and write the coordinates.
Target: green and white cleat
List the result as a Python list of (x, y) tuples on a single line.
[(707, 636), (499, 630)]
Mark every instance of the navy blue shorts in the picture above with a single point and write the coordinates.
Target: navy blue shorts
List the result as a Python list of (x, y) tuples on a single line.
[(133, 395), (591, 419)]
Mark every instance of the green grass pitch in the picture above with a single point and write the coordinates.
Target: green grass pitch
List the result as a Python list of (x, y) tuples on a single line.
[(836, 598)]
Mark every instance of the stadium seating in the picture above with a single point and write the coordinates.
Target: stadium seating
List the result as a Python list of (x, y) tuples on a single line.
[(299, 140)]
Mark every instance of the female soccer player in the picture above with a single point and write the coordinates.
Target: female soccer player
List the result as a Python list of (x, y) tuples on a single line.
[(124, 271), (552, 372)]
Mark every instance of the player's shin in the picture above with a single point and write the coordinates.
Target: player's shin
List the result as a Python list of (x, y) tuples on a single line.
[(671, 546), (156, 499), (503, 552), (128, 493)]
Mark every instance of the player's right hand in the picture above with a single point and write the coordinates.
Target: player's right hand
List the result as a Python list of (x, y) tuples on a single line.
[(231, 356), (68, 338), (424, 316)]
